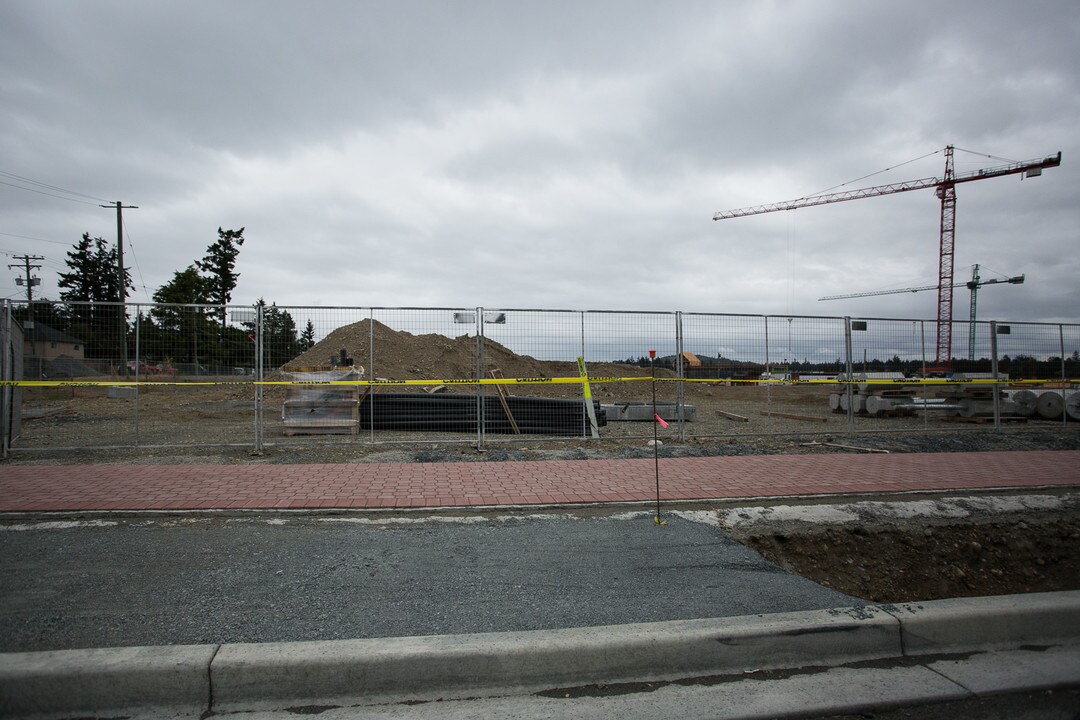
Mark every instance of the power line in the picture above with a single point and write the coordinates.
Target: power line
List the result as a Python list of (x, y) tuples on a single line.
[(51, 262), (47, 186), (27, 237), (42, 192), (131, 246)]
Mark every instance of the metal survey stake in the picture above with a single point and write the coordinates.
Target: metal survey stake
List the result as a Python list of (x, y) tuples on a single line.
[(656, 442)]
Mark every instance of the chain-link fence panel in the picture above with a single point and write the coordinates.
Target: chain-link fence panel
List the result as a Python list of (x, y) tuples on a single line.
[(82, 346), (635, 346), (726, 358), (108, 375), (545, 345), (309, 357), (1070, 342), (195, 366), (1036, 359)]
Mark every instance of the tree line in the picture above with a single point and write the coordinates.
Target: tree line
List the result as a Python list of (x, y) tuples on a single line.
[(1015, 366), (189, 323)]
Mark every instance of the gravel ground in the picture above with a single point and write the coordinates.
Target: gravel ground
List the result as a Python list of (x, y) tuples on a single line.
[(362, 452), (216, 424)]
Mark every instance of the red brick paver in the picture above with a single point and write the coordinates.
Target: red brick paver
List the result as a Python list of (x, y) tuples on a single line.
[(45, 488)]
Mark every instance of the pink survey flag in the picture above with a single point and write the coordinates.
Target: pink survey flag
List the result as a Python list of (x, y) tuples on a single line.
[(660, 420)]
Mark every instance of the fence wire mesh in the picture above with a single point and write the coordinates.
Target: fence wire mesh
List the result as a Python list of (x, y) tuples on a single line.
[(106, 375)]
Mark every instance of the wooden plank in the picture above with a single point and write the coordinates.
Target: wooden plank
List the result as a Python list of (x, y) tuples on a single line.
[(790, 416), (732, 416), (983, 419), (496, 374)]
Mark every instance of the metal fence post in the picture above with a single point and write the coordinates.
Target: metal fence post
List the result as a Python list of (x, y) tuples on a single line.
[(680, 373), (586, 428), (768, 380), (371, 369), (1061, 341), (994, 373), (138, 354), (850, 376), (258, 377), (7, 393), (480, 376)]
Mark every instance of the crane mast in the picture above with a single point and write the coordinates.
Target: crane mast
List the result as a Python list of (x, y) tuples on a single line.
[(946, 191)]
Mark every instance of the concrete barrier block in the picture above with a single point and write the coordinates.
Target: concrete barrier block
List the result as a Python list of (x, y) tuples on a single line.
[(986, 623), (171, 681), (122, 392), (393, 669)]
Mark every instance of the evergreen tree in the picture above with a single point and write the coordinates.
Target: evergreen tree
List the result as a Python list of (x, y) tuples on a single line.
[(307, 338), (219, 264), (183, 333), (279, 339), (93, 279), (93, 273)]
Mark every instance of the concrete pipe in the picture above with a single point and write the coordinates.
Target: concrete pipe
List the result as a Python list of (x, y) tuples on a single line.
[(1025, 401), (1072, 405), (834, 402), (1050, 405), (876, 405), (858, 400), (967, 407)]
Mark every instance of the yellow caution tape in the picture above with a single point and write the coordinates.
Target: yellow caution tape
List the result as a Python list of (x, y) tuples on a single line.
[(584, 380)]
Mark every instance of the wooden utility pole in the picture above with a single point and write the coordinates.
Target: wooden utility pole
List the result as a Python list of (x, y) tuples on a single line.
[(121, 278), (30, 280)]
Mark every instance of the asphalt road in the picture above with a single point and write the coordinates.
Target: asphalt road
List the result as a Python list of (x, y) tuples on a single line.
[(198, 579)]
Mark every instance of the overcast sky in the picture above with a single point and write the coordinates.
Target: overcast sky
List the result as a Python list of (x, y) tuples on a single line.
[(547, 154)]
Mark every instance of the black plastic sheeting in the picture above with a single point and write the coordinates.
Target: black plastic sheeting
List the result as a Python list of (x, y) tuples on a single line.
[(457, 413)]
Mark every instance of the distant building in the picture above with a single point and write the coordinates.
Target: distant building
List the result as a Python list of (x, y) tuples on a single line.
[(49, 343)]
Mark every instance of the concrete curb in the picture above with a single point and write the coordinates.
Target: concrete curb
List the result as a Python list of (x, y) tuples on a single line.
[(169, 680), (987, 623), (189, 680), (452, 666)]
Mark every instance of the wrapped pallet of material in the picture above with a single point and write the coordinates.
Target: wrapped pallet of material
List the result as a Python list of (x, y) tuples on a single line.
[(320, 408)]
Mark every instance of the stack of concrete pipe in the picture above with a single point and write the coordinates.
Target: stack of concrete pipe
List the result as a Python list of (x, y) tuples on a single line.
[(1048, 404), (878, 394), (875, 394)]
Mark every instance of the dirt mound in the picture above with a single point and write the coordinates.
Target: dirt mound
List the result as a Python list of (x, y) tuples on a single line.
[(923, 563), (400, 355)]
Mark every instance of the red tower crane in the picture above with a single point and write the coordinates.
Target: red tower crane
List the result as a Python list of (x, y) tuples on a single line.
[(945, 188)]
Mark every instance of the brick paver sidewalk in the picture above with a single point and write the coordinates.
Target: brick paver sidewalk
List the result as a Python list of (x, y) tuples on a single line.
[(44, 488)]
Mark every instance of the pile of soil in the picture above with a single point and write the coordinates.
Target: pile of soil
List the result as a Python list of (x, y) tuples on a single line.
[(1039, 552), (401, 355)]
